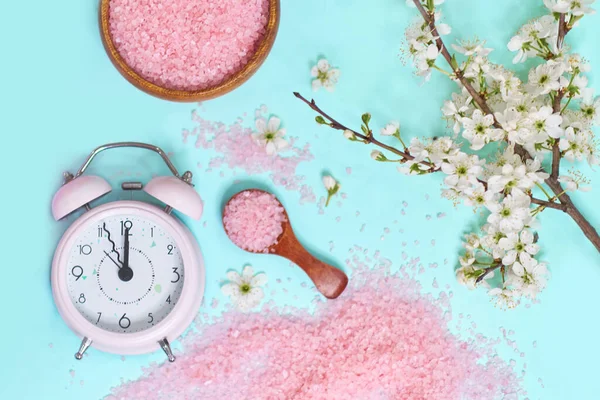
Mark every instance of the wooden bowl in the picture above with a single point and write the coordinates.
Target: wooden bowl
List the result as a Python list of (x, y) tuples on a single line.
[(197, 95)]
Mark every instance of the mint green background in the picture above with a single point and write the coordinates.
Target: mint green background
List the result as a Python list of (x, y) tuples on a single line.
[(61, 97)]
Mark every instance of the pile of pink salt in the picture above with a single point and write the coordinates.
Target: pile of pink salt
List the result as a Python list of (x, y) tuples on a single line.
[(187, 44), (381, 339), (254, 220), (238, 150)]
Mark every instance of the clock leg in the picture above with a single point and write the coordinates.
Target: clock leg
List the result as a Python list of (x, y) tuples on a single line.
[(164, 344), (85, 343)]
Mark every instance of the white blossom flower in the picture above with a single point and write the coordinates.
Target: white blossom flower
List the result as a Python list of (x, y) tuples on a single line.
[(545, 78), (392, 128), (558, 6), (590, 108), (441, 149), (511, 178), (326, 76), (462, 170), (575, 7), (525, 40), (575, 144), (545, 121), (504, 298), (514, 124), (477, 196), (245, 290), (425, 59), (457, 108), (479, 130), (530, 276), (574, 184), (270, 135), (491, 240), (512, 214), (469, 48), (516, 245)]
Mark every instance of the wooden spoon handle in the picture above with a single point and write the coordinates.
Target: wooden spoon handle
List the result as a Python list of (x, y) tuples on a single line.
[(329, 280)]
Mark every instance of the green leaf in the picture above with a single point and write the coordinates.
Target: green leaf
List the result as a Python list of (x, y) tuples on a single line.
[(364, 129), (453, 62), (320, 120), (366, 118)]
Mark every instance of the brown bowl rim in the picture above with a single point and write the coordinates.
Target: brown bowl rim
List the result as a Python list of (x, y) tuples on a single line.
[(220, 89)]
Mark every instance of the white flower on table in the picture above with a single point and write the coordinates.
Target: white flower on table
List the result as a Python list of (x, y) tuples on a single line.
[(270, 135), (332, 186), (244, 290), (325, 76), (530, 276), (518, 246)]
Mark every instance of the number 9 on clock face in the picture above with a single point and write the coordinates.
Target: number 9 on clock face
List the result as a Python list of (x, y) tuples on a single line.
[(125, 273)]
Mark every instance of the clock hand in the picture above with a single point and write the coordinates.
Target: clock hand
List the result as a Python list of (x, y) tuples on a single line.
[(126, 273), (126, 249), (112, 259)]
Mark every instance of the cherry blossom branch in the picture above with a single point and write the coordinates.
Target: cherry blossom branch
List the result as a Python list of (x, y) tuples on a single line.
[(587, 228), (556, 104), (369, 139), (365, 138)]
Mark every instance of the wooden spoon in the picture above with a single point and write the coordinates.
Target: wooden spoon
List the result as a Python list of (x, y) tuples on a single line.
[(329, 280)]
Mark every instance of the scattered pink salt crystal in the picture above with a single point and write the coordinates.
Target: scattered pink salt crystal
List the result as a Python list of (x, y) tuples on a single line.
[(187, 45), (253, 220), (388, 341), (441, 215)]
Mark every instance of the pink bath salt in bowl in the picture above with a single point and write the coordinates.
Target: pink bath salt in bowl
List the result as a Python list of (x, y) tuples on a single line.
[(254, 220), (187, 45)]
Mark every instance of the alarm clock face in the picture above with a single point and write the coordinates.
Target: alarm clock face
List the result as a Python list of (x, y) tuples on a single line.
[(124, 273)]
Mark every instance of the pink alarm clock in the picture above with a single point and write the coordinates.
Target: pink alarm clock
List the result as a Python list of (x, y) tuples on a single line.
[(127, 276)]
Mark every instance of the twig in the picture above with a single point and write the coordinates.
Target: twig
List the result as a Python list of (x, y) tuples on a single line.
[(367, 139), (549, 204)]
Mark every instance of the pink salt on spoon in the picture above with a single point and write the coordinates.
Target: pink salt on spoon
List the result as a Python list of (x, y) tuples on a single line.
[(257, 222)]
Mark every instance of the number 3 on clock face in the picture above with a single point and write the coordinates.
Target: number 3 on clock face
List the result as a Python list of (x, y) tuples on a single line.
[(120, 302)]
